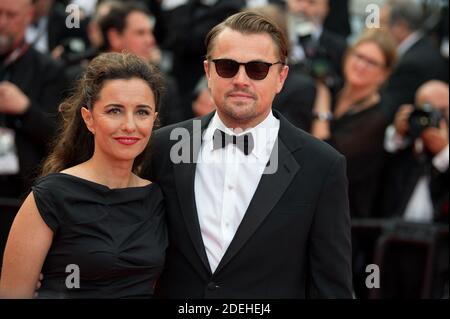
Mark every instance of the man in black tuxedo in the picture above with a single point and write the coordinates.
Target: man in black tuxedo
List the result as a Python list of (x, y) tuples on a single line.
[(419, 59), (416, 181), (256, 207)]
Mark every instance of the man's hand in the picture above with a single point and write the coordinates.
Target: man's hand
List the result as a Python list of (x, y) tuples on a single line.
[(12, 99), (401, 119), (436, 139), (38, 285)]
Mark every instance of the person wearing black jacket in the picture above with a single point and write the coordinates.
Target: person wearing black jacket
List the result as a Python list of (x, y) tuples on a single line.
[(31, 85), (416, 182), (187, 27), (49, 29), (419, 59), (317, 48), (271, 221)]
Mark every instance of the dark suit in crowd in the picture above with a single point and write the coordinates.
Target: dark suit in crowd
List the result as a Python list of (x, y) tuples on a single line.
[(41, 80), (401, 177), (421, 63), (187, 27), (296, 100)]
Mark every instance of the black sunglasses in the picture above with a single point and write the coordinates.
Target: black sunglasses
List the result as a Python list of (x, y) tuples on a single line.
[(256, 70)]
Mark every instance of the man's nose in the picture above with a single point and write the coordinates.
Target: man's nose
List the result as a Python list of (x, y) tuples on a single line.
[(241, 76)]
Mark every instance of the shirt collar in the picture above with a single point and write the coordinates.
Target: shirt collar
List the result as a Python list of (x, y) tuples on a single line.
[(264, 134), (408, 43)]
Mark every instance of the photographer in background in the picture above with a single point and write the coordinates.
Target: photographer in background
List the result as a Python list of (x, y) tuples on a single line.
[(317, 49), (417, 180), (31, 85), (49, 33)]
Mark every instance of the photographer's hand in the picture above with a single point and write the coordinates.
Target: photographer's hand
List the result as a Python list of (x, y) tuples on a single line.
[(436, 139), (12, 99), (401, 119)]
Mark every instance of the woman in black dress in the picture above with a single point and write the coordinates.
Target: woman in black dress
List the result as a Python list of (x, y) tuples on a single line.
[(91, 225), (355, 119)]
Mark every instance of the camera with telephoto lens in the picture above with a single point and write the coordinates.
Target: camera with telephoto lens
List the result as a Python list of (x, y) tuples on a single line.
[(317, 63), (318, 66), (421, 118)]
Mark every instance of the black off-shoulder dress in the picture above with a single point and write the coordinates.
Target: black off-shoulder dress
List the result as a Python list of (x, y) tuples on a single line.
[(112, 240)]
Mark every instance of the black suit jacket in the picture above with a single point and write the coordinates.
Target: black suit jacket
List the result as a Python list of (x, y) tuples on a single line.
[(421, 63), (402, 174), (338, 20), (296, 100), (293, 242), (58, 33), (335, 46), (42, 81), (187, 26)]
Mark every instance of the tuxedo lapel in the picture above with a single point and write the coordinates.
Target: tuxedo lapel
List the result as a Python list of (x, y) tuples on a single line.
[(184, 174), (268, 193)]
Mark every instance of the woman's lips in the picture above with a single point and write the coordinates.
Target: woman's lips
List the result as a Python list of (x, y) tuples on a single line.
[(127, 140)]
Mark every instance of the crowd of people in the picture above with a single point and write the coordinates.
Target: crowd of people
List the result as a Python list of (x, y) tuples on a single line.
[(382, 101)]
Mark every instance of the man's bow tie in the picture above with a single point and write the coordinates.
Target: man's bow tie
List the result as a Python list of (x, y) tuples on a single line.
[(244, 142)]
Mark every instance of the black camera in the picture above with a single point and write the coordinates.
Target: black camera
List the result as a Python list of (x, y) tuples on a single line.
[(421, 118), (317, 63)]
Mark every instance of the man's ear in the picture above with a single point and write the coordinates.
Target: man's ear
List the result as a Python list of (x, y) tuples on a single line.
[(88, 120), (282, 78), (206, 67), (115, 40)]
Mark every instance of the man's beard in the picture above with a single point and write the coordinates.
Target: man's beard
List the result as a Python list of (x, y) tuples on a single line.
[(5, 44)]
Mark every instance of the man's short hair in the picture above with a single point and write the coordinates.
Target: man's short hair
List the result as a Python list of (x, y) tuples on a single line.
[(117, 19), (250, 23), (407, 12)]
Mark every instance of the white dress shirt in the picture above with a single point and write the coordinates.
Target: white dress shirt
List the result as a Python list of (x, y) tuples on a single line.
[(420, 206), (38, 35), (297, 52), (408, 43), (225, 182)]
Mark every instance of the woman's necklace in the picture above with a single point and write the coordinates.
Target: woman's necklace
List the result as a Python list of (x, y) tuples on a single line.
[(357, 106)]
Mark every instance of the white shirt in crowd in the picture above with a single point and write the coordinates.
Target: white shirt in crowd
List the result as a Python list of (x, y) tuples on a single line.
[(408, 43), (37, 35)]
